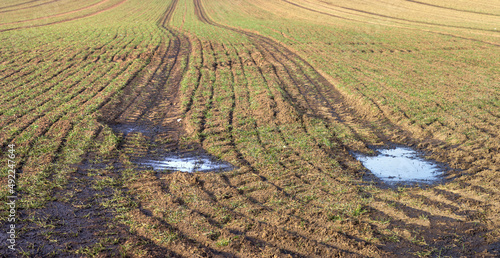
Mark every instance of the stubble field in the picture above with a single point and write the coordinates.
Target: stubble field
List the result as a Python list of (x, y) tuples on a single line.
[(283, 90)]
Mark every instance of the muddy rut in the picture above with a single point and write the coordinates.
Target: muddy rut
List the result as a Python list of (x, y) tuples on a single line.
[(150, 103)]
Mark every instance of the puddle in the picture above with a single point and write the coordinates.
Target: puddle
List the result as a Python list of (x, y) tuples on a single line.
[(137, 128), (166, 155), (401, 164), (188, 163)]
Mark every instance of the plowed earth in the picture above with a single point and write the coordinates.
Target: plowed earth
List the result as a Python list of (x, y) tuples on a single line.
[(251, 100)]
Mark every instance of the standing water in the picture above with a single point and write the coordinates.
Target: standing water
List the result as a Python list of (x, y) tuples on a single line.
[(189, 163), (167, 156), (401, 164)]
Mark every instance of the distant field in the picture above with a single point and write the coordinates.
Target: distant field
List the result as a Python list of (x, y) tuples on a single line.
[(284, 90)]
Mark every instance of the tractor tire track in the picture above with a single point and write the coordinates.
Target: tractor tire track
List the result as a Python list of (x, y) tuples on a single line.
[(197, 74), (395, 26), (406, 20), (66, 20), (265, 43), (321, 87), (449, 8), (240, 156), (14, 5), (31, 6), (281, 102), (258, 204), (275, 101), (327, 87), (57, 15), (168, 14), (151, 89)]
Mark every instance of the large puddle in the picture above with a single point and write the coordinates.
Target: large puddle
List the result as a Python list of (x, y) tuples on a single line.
[(188, 163), (401, 165)]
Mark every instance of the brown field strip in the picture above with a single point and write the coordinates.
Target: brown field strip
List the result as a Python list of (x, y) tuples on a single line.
[(31, 6), (59, 14), (18, 4), (62, 14), (449, 8), (391, 25), (408, 20)]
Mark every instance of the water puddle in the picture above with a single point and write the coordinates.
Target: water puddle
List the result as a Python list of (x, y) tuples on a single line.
[(401, 165), (166, 155), (145, 129), (189, 163)]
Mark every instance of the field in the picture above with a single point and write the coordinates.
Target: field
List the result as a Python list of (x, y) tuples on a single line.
[(284, 90)]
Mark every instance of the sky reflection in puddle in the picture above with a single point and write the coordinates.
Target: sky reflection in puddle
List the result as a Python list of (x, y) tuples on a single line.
[(401, 164), (188, 164)]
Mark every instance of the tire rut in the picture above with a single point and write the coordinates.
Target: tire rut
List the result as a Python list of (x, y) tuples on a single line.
[(28, 7), (319, 86), (14, 5), (449, 8), (402, 19), (66, 20), (276, 102), (396, 26), (149, 108)]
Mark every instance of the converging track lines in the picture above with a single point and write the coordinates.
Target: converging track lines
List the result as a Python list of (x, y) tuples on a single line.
[(396, 26), (450, 8), (62, 14), (28, 7)]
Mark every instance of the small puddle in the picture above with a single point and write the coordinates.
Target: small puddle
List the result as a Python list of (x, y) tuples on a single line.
[(400, 165), (188, 163), (169, 155), (138, 128)]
